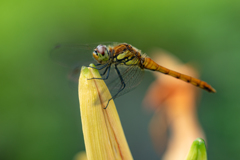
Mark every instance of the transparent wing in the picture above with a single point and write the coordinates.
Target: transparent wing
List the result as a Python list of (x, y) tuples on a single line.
[(132, 76), (74, 56)]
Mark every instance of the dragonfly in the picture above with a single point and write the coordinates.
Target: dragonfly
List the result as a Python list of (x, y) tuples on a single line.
[(122, 65)]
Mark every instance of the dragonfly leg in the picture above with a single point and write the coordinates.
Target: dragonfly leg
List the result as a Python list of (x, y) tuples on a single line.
[(104, 66), (108, 71), (105, 71), (120, 89), (98, 64), (100, 67)]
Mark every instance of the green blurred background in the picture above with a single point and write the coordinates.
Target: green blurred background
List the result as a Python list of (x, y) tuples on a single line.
[(39, 112)]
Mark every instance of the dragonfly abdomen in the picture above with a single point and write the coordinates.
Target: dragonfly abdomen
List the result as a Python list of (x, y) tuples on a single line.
[(148, 63)]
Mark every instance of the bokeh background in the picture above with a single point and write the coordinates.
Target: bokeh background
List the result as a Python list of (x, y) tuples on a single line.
[(39, 112)]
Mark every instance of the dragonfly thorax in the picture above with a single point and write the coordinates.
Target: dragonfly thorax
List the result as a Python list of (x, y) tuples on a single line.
[(101, 54)]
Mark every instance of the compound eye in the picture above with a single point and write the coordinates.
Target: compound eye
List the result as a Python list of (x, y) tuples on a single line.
[(101, 49), (95, 51)]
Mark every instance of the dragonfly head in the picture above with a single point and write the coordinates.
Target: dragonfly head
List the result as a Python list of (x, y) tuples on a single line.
[(101, 54)]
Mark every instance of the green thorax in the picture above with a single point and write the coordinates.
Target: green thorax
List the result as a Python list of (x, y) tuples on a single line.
[(128, 58)]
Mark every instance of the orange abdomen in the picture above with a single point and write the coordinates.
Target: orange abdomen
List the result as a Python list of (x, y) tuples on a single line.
[(151, 65)]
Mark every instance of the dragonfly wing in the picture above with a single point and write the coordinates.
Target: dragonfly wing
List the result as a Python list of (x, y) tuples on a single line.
[(74, 56), (132, 76)]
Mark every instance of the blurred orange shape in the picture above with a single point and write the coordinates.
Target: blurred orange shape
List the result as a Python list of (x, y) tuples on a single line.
[(174, 125)]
